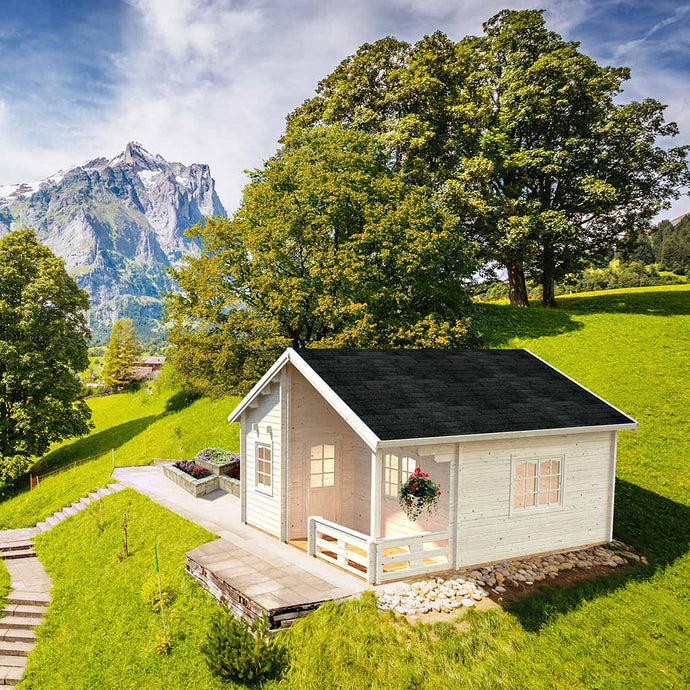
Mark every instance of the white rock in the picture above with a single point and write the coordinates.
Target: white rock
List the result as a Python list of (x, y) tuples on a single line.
[(467, 602)]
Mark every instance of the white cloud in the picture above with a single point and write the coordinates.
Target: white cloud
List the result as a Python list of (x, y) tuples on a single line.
[(212, 80)]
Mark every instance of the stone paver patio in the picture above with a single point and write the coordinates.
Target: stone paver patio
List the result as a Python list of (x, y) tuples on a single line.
[(252, 571)]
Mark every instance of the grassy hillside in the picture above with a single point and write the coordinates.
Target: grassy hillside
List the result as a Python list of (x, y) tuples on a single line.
[(131, 428), (630, 629)]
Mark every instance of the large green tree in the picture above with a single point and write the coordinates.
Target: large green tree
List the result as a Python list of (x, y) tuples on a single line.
[(122, 355), (522, 134), (43, 344), (329, 247)]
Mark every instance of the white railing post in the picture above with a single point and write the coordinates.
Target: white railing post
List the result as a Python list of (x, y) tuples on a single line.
[(375, 498), (372, 561), (311, 536)]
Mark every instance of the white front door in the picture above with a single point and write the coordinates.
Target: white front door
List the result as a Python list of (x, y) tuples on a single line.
[(321, 480)]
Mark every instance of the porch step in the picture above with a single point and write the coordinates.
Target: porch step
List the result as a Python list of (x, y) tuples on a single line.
[(8, 648), (19, 553), (24, 610), (11, 675), (16, 545), (28, 598), (12, 661), (16, 635), (21, 622)]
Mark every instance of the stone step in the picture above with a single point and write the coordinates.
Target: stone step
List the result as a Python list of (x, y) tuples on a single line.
[(13, 661), (76, 507), (43, 526), (69, 511), (114, 488), (16, 635), (28, 598), (24, 610), (11, 675), (85, 500), (24, 553), (52, 520), (103, 492), (16, 545), (59, 515), (94, 496), (20, 622), (9, 648)]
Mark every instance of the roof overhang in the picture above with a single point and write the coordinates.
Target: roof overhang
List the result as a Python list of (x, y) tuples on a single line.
[(498, 436), (331, 397)]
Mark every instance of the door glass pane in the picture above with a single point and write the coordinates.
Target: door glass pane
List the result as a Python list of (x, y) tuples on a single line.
[(328, 451), (316, 481), (316, 452), (329, 465), (316, 466), (328, 479)]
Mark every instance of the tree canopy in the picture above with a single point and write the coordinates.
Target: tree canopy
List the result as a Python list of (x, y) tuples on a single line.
[(519, 132), (329, 247), (122, 355), (43, 344)]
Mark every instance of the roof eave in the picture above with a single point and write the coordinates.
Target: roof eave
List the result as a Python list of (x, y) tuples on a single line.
[(331, 397), (500, 435)]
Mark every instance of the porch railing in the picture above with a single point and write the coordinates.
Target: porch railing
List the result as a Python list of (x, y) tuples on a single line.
[(378, 560)]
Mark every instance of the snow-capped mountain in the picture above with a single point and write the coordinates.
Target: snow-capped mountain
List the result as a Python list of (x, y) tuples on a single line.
[(118, 223)]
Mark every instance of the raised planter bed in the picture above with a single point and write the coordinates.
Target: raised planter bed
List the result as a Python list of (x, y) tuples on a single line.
[(196, 487), (219, 462), (229, 484)]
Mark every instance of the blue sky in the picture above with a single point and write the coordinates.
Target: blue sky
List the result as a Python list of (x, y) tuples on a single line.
[(212, 80)]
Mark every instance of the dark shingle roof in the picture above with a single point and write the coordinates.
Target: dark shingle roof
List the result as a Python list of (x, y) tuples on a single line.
[(423, 393)]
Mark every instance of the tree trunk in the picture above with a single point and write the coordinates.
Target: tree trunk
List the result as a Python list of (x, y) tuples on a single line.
[(517, 288), (548, 297)]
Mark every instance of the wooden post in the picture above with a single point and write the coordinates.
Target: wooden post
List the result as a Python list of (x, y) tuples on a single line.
[(453, 508), (375, 499), (124, 530), (372, 566), (311, 536), (112, 453)]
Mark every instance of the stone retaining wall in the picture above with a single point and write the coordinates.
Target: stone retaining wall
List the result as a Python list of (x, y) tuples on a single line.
[(196, 487), (232, 486)]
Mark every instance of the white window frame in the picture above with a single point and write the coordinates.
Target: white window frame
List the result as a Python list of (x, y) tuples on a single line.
[(402, 474), (258, 484), (516, 511)]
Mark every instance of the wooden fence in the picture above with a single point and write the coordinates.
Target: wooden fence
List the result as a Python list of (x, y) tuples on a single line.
[(36, 479)]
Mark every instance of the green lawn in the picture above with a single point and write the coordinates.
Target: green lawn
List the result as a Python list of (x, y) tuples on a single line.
[(626, 630), (133, 428), (98, 633)]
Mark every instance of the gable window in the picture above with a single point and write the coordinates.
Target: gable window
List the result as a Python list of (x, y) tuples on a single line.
[(322, 468), (396, 470), (537, 482), (264, 469)]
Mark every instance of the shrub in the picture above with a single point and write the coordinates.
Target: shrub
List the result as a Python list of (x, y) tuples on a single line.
[(150, 595), (162, 643), (240, 653), (192, 469), (218, 456)]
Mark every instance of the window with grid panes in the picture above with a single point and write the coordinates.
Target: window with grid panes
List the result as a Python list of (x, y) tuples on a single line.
[(396, 470), (322, 468), (537, 482), (264, 468)]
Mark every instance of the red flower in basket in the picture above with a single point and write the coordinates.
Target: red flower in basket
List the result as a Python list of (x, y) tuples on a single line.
[(419, 493)]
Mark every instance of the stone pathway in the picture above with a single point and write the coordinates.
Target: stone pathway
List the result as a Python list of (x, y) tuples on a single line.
[(30, 595), (26, 603)]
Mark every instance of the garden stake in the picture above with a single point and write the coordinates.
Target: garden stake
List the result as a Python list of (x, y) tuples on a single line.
[(124, 529), (160, 589)]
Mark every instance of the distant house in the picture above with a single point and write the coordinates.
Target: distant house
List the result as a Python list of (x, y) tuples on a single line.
[(148, 367), (524, 455)]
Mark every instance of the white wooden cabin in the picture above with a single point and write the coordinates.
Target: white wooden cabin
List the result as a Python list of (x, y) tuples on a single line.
[(524, 455)]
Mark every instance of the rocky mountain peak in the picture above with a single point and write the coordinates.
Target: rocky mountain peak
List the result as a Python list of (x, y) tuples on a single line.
[(119, 224)]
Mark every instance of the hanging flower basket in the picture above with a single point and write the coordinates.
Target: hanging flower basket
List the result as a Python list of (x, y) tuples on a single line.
[(419, 493)]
